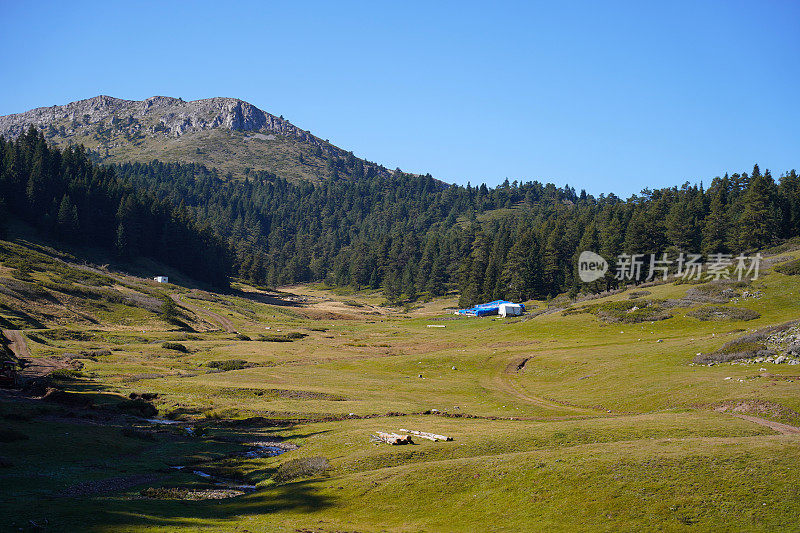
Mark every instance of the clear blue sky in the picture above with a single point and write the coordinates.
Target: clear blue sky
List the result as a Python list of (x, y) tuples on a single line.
[(607, 96)]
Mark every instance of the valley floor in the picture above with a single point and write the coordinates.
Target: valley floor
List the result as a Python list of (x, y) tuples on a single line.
[(266, 403)]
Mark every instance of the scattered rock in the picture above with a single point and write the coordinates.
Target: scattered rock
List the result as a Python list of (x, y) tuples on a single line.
[(189, 494), (95, 353)]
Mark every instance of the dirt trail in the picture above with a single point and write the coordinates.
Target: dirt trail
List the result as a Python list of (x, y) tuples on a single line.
[(222, 321), (18, 344), (786, 429), (36, 366), (504, 382)]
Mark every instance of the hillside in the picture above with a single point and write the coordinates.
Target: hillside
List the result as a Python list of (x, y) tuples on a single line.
[(225, 133), (408, 235), (253, 410)]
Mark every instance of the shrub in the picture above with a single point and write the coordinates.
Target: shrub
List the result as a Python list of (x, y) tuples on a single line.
[(103, 352), (175, 346), (720, 312), (745, 347), (65, 374), (242, 337), (138, 407), (147, 396), (300, 468), (231, 364), (274, 338), (630, 312), (289, 337), (716, 292), (638, 294), (790, 268), (169, 311)]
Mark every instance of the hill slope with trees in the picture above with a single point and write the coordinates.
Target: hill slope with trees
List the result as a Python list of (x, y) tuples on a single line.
[(67, 197), (408, 235)]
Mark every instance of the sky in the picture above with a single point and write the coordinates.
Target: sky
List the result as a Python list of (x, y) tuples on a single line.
[(603, 96)]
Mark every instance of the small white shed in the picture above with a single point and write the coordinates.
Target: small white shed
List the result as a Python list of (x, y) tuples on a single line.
[(162, 279), (509, 310)]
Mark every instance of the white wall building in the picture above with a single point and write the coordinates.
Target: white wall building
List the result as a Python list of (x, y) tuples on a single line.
[(162, 279), (509, 310)]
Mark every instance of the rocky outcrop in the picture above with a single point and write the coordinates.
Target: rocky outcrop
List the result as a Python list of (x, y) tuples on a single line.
[(227, 134), (159, 115)]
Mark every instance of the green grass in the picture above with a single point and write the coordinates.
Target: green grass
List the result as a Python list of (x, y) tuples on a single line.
[(566, 421), (228, 151), (790, 268)]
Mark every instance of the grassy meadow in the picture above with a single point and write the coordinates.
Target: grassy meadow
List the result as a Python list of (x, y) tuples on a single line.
[(569, 419)]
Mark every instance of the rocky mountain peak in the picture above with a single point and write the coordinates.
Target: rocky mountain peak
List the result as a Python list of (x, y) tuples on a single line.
[(229, 134), (158, 114)]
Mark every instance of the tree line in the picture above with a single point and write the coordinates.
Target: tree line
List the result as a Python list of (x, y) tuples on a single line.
[(412, 236), (67, 197), (408, 235)]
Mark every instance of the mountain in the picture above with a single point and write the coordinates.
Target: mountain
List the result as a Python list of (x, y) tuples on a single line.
[(225, 133)]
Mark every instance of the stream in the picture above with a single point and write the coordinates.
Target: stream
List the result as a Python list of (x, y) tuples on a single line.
[(259, 450)]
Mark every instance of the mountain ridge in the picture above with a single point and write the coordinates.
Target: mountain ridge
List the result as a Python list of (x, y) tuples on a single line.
[(233, 113), (226, 133)]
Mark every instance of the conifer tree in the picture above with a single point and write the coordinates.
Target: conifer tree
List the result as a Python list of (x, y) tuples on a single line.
[(757, 224)]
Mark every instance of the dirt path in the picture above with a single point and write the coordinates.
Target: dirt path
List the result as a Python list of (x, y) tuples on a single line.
[(37, 366), (504, 382), (18, 344), (786, 429), (222, 321)]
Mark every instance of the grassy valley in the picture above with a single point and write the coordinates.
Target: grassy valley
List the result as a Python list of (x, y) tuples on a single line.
[(577, 309), (580, 415)]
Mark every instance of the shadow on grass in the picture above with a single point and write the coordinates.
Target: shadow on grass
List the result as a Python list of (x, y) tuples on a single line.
[(122, 458), (24, 320), (297, 436), (300, 496)]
